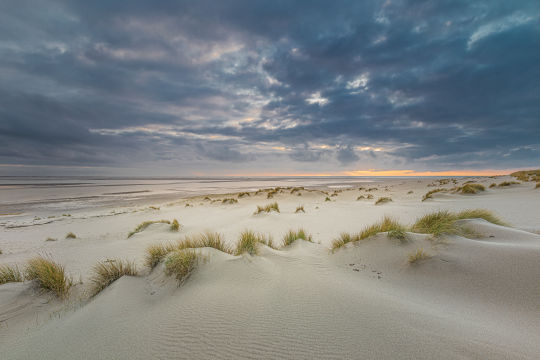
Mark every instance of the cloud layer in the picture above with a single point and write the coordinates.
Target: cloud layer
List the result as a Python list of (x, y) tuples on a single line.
[(248, 87)]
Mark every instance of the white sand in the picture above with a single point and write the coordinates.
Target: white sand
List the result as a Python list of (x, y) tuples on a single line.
[(475, 298)]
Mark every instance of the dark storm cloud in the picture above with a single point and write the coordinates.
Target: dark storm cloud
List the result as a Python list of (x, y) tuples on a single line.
[(430, 84)]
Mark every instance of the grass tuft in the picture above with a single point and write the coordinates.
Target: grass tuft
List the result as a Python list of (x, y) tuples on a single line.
[(418, 255), (267, 208), (107, 272), (207, 239), (327, 199), (444, 222), (429, 194), (508, 183), (291, 236), (382, 200), (49, 275), (157, 252), (249, 243), (10, 274), (398, 234), (242, 194), (300, 209), (71, 235), (229, 201), (537, 185), (50, 239), (142, 226), (175, 226), (471, 188), (181, 263), (387, 224)]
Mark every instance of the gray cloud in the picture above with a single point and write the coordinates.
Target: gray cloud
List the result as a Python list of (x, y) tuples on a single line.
[(209, 86)]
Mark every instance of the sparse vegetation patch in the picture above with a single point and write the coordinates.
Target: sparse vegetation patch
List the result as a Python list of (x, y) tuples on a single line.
[(418, 255), (10, 274), (268, 208), (107, 272), (291, 236), (71, 235), (144, 225), (382, 200), (49, 275)]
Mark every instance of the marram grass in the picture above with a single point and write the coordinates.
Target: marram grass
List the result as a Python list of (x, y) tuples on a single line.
[(181, 263), (107, 272), (268, 208), (418, 255), (49, 275), (157, 252), (10, 274), (387, 224), (291, 236), (142, 226)]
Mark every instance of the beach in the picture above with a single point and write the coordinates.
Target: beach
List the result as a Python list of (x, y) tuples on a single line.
[(469, 291)]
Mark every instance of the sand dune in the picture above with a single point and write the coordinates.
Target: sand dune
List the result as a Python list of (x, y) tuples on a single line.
[(473, 298)]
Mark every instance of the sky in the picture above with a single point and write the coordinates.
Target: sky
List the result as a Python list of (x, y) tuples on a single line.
[(211, 88)]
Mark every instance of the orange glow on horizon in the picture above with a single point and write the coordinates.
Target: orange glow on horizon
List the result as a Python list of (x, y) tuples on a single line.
[(373, 172)]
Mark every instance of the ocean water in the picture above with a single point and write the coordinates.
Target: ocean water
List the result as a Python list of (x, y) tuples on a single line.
[(68, 194)]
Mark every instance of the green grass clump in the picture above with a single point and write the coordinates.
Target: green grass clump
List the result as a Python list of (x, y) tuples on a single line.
[(268, 208), (229, 201), (71, 235), (291, 236), (429, 194), (382, 200), (471, 188), (444, 222), (387, 224), (144, 225), (300, 209), (327, 199), (181, 264), (10, 274), (175, 226), (107, 272), (418, 255), (49, 275), (157, 252)]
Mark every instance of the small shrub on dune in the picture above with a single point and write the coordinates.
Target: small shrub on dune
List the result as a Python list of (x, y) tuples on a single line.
[(10, 274), (175, 226), (418, 255), (300, 209), (382, 200), (157, 252), (49, 275), (207, 239), (268, 208), (181, 264), (291, 236), (142, 226), (71, 235), (107, 272)]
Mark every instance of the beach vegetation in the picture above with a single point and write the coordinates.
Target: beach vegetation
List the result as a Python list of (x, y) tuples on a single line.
[(175, 225), (49, 275), (50, 239), (444, 222), (300, 209), (291, 236), (181, 263), (327, 199), (242, 194), (387, 224), (10, 274), (429, 194), (382, 200), (508, 183), (268, 208), (142, 226), (249, 243), (108, 271), (471, 188), (157, 252), (207, 239), (71, 235), (229, 201), (418, 255)]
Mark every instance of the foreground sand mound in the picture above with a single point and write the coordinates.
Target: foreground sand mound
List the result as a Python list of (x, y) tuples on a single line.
[(474, 298)]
